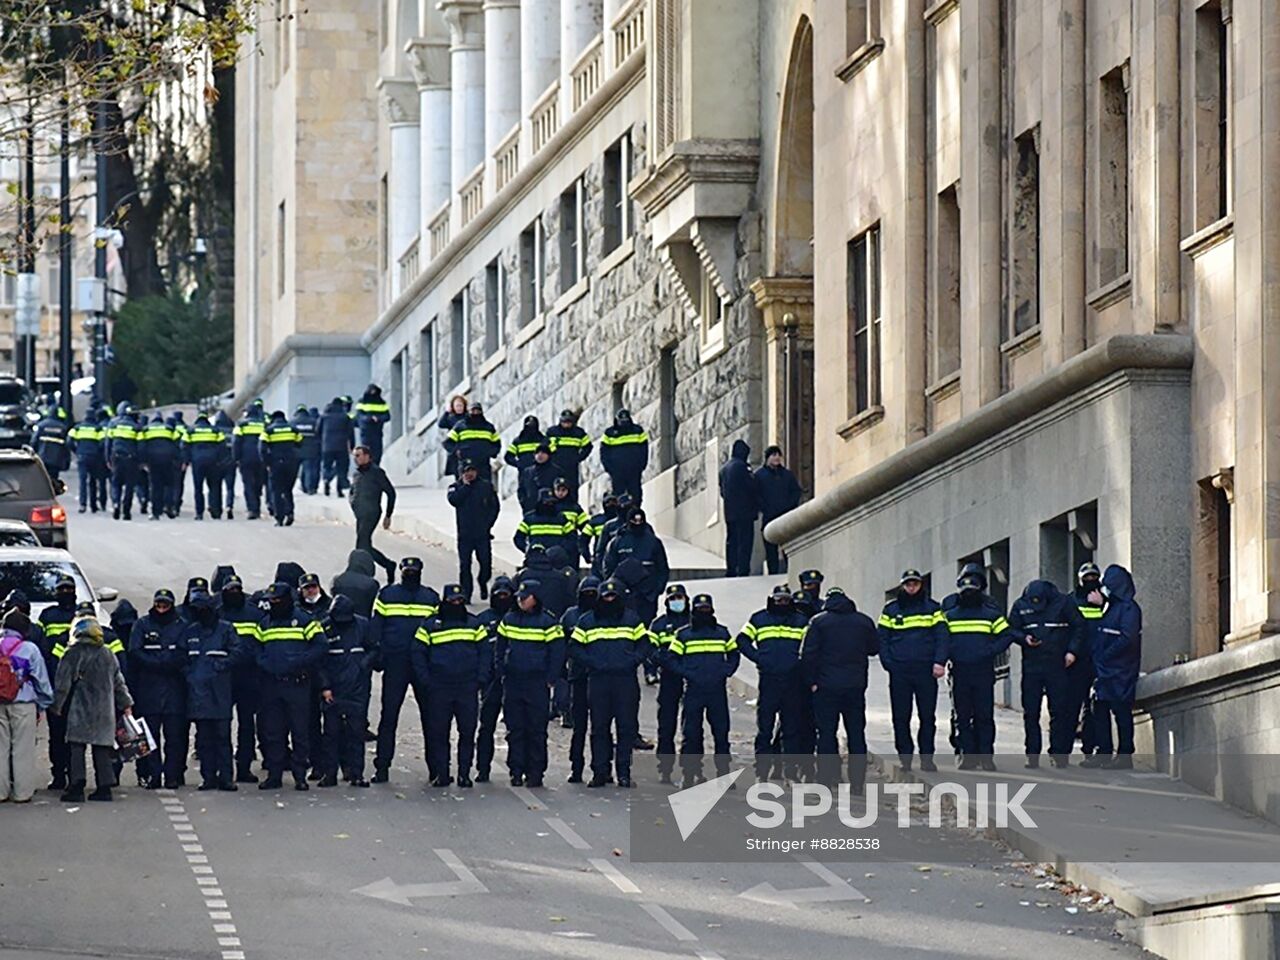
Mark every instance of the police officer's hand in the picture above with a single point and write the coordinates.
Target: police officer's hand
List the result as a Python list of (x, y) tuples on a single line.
[(1031, 641), (326, 696), (1069, 659), (1096, 598), (386, 523), (939, 671), (128, 711)]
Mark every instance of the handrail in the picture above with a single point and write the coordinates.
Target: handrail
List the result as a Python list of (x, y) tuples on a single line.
[(544, 117), (628, 31), (439, 229), (506, 158), (587, 72), (472, 194)]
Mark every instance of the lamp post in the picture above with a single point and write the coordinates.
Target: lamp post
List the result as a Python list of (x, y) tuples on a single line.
[(64, 263)]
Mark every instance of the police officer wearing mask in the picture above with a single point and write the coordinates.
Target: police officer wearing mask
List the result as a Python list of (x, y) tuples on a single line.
[(1080, 675), (520, 451), (280, 446), (211, 648), (611, 642), (705, 655), (593, 530), (50, 442), (501, 601), (529, 656), (576, 676), (913, 650), (290, 651), (475, 439), (315, 603), (55, 622), (771, 640), (476, 508), (157, 659), (624, 453), (637, 557), (670, 684), (306, 424), (246, 450), (453, 661), (243, 617), (979, 633), (570, 447), (346, 681), (205, 448), (1048, 627)]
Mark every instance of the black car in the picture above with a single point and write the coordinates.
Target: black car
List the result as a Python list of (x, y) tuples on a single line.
[(18, 414), (27, 494)]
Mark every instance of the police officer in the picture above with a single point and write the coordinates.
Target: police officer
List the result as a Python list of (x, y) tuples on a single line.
[(290, 650), (247, 448), (177, 482), (979, 633), (280, 446), (546, 526), (55, 622), (624, 453), (1080, 675), (1117, 658), (913, 651), (670, 684), (475, 505), (529, 655), (157, 659), (452, 660), (705, 655), (399, 609), (306, 425), (539, 474), (1050, 630), (337, 439), (521, 450), (838, 642), (578, 714), (501, 601), (161, 452), (372, 414), (593, 530), (206, 450), (808, 602), (51, 444), (346, 679), (475, 439), (123, 454), (637, 557), (570, 446), (227, 462), (771, 640), (569, 508), (87, 441), (235, 610), (212, 649), (612, 527)]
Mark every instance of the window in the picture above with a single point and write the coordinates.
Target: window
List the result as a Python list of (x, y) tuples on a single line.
[(1113, 176), (398, 393), (384, 225), (280, 248), (863, 284), (459, 336), (495, 305), (1024, 234), (427, 370), (572, 248), (1066, 542), (946, 307), (618, 397), (1213, 546), (1213, 112), (667, 422), (619, 214), (861, 24), (532, 257)]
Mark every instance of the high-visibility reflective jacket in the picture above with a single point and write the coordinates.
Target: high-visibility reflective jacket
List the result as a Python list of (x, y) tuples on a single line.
[(705, 654), (771, 639), (452, 650)]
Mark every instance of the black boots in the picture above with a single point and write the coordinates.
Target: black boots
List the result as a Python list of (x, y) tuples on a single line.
[(74, 793)]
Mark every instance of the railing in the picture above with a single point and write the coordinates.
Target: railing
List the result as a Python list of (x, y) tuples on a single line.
[(628, 31), (587, 73), (439, 228), (409, 263), (472, 194), (506, 159), (544, 118)]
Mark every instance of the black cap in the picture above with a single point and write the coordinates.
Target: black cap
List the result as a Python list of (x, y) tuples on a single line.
[(634, 514), (611, 587), (411, 563), (566, 414), (676, 590), (529, 588), (64, 582), (543, 447), (453, 594), (810, 576), (164, 593), (197, 583), (911, 573), (703, 601), (559, 482), (309, 580), (233, 582), (609, 498), (468, 465), (501, 585), (279, 591), (781, 592), (476, 405)]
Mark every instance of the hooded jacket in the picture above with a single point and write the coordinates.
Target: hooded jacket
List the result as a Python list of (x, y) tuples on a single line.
[(372, 414), (161, 443), (738, 486), (610, 639), (357, 583), (204, 446), (289, 572), (157, 662), (913, 631), (280, 443), (337, 432), (703, 653), (624, 450), (351, 656), (647, 572), (247, 435), (771, 639), (124, 438), (212, 648), (491, 616), (475, 506), (556, 589), (534, 477), (520, 451), (1117, 639), (88, 440), (452, 648), (306, 426), (575, 669), (1051, 618), (51, 443), (838, 642)]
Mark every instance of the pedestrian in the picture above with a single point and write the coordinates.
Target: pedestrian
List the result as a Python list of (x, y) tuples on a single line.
[(593, 531), (779, 492), (547, 527), (157, 658), (520, 451), (247, 450), (206, 451), (399, 609), (25, 693), (162, 453), (570, 447), (90, 693), (227, 461), (529, 655), (576, 677), (914, 641), (624, 453), (741, 507), (306, 424), (705, 655), (291, 648), (212, 649), (55, 623), (838, 642), (501, 602), (771, 640), (611, 642), (123, 455), (453, 414), (637, 557), (243, 617), (368, 488), (87, 441), (670, 684), (372, 415), (452, 660), (1048, 627), (1117, 660), (1080, 675), (357, 583), (979, 633), (346, 683), (475, 506), (280, 451), (52, 444), (539, 474), (337, 438), (475, 439)]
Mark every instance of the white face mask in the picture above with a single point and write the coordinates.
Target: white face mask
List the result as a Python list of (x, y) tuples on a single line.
[(677, 606)]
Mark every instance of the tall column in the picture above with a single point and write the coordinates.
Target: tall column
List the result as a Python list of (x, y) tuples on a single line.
[(429, 60), (466, 55), (539, 49), (501, 70), (580, 21), (400, 102)]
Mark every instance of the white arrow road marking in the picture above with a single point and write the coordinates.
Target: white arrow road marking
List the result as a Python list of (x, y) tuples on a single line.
[(832, 890), (404, 893), (691, 805)]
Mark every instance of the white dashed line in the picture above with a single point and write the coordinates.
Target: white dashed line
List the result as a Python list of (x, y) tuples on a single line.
[(570, 836), (206, 882), (668, 922), (527, 798), (613, 875)]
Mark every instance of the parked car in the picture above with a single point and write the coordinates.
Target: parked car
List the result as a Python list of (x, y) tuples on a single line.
[(27, 494), (18, 414), (36, 572), (16, 533)]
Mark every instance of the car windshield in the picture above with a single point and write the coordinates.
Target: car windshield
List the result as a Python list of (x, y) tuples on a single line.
[(18, 538), (12, 393), (24, 481), (37, 578)]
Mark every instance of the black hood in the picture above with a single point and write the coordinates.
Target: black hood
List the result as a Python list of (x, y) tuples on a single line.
[(123, 617), (223, 419), (221, 574), (1040, 594), (333, 406), (531, 428), (558, 557), (289, 572), (740, 450), (359, 561), (1118, 583), (343, 610), (839, 603)]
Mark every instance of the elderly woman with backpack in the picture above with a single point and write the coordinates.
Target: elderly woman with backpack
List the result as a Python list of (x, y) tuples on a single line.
[(24, 692)]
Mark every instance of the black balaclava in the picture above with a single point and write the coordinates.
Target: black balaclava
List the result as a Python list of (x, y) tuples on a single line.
[(66, 599), (609, 604), (165, 616), (501, 594), (610, 507), (203, 606), (233, 598)]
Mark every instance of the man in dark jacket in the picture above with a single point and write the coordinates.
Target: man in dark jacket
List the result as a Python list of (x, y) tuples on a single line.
[(612, 527), (235, 609), (291, 648), (337, 437), (670, 684), (624, 453), (280, 446), (838, 642), (475, 439), (212, 649), (178, 481), (367, 490), (452, 660), (547, 526), (529, 656), (570, 447), (556, 586), (593, 531), (1048, 627), (88, 438), (576, 677), (501, 601), (307, 426), (206, 449), (372, 415), (637, 557), (55, 622), (475, 505), (157, 659), (1117, 661), (741, 507), (247, 451), (979, 633), (345, 683), (779, 492), (539, 474), (52, 445), (227, 462), (771, 640), (162, 453), (1080, 674), (705, 655), (520, 451), (913, 651), (357, 582)]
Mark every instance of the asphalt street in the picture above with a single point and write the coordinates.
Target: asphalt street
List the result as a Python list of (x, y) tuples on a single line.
[(403, 870)]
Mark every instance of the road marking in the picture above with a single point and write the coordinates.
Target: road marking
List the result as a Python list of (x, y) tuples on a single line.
[(224, 928), (207, 881), (570, 835), (192, 847), (211, 891), (216, 904), (613, 875), (833, 889), (197, 858), (228, 941), (668, 922), (708, 955), (525, 795), (404, 893)]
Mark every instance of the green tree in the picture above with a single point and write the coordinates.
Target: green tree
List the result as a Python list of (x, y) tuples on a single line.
[(172, 350)]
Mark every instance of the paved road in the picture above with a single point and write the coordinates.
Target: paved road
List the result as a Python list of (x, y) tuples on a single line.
[(505, 873)]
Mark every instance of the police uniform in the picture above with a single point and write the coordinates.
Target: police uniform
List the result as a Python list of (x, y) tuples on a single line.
[(576, 676), (280, 445), (235, 609), (1047, 625), (205, 449), (978, 633), (347, 676), (157, 659), (529, 655), (705, 654), (476, 510), (307, 426), (291, 648), (1080, 675), (624, 453), (246, 448), (501, 597), (123, 438), (212, 647), (372, 413), (913, 640), (51, 444), (476, 439), (670, 684), (570, 446), (55, 621), (771, 639)]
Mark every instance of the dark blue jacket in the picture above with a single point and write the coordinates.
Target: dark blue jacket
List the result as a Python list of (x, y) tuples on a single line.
[(489, 618), (474, 438), (704, 653), (161, 444), (661, 632), (738, 486), (204, 446), (89, 441), (307, 427), (244, 620), (337, 432), (644, 555), (52, 445), (530, 646), (246, 436), (212, 650), (913, 631), (124, 437), (978, 630), (771, 640), (1052, 618), (397, 613), (1092, 614), (372, 414), (350, 658), (624, 451), (569, 448), (475, 507), (1117, 640), (451, 649), (290, 644), (520, 451), (157, 661), (575, 669), (779, 491), (280, 444), (838, 642), (610, 641)]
